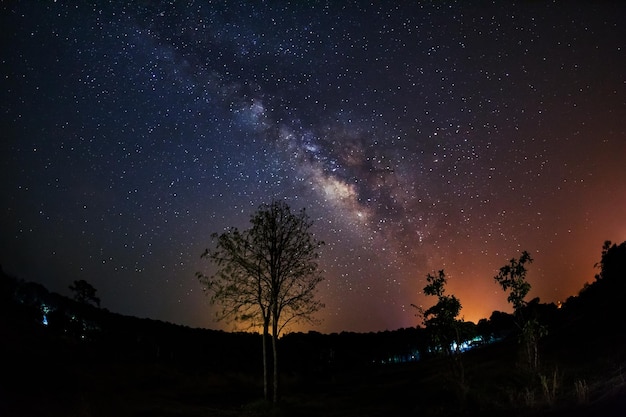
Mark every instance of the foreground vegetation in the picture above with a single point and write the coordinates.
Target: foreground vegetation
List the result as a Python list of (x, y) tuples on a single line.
[(89, 362)]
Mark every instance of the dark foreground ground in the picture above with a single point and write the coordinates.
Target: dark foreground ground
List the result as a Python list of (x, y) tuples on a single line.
[(52, 377)]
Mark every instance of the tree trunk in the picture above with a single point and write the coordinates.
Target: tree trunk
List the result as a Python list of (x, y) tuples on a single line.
[(265, 372), (275, 351)]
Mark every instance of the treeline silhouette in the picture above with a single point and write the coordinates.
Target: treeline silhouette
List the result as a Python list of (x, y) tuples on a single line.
[(30, 308), (33, 315), (44, 333)]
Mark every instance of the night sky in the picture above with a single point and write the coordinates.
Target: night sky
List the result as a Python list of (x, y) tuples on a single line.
[(419, 136)]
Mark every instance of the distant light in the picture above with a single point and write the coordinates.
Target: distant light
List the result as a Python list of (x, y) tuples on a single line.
[(45, 310)]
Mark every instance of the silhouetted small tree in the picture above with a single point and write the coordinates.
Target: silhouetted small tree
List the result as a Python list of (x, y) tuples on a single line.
[(512, 278), (441, 318), (445, 329), (84, 292)]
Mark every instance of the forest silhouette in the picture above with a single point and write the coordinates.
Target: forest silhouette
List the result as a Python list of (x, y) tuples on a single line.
[(68, 357)]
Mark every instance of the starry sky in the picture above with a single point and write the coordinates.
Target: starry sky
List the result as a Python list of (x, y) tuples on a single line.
[(419, 136)]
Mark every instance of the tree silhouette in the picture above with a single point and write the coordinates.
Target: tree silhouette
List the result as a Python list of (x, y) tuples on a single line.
[(512, 278), (441, 318), (266, 275), (84, 292), (605, 296), (612, 264), (444, 327)]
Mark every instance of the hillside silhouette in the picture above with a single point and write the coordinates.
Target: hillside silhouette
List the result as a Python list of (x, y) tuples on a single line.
[(68, 358)]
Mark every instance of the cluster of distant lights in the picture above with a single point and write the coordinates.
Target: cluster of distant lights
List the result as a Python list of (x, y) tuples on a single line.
[(46, 310), (455, 347)]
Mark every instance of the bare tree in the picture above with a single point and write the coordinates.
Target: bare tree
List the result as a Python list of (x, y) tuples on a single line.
[(266, 275)]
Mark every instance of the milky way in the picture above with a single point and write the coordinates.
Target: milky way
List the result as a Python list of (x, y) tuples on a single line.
[(418, 136)]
